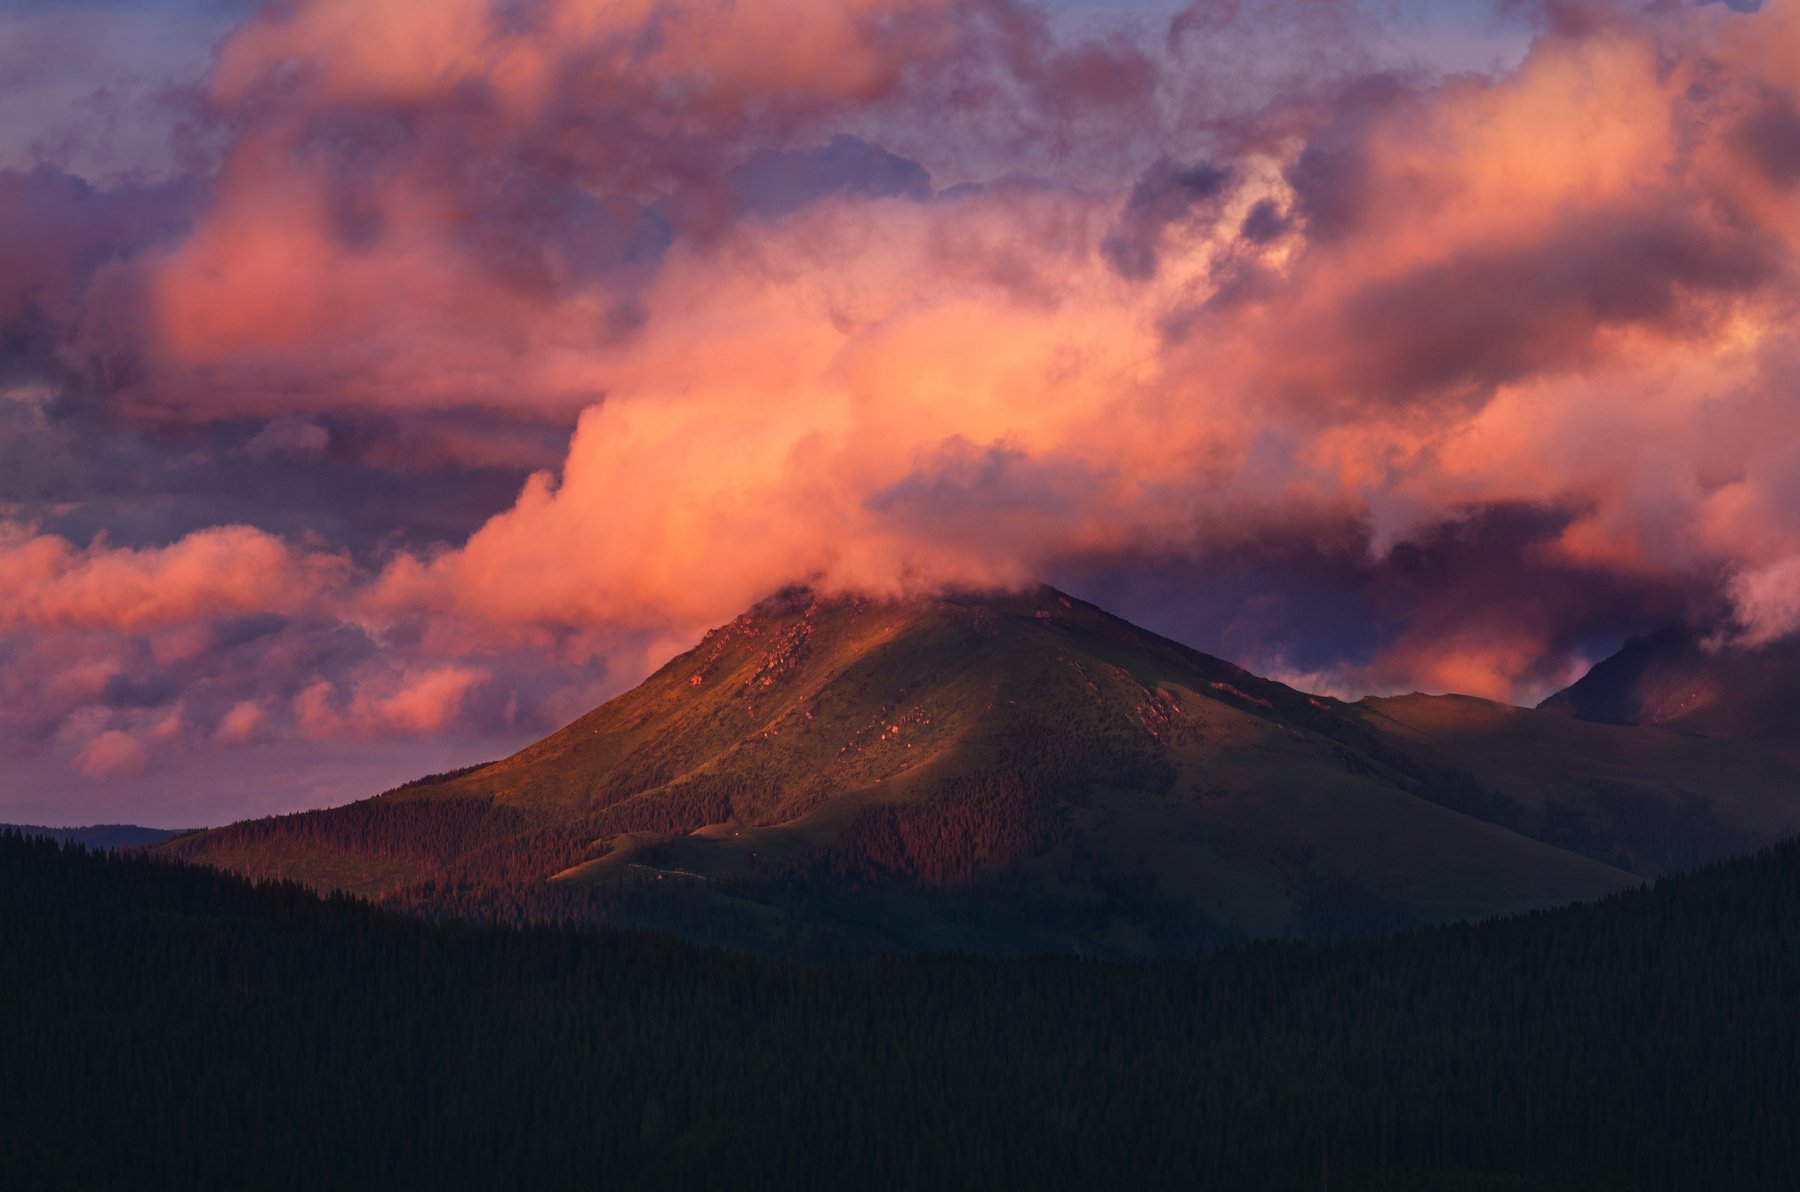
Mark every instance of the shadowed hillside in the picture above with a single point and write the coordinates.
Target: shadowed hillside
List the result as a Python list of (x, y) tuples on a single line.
[(1012, 774), (1674, 680)]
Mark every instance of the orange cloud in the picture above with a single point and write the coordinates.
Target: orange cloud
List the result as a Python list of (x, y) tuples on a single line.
[(240, 723), (1542, 290), (455, 205), (390, 700), (112, 754), (46, 582), (1352, 316)]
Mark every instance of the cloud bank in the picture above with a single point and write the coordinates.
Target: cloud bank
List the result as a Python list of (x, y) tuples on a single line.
[(477, 354)]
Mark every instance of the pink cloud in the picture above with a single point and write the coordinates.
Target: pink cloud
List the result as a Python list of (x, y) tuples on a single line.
[(387, 701), (240, 723), (886, 395), (112, 754), (421, 209), (1767, 601), (1214, 293), (46, 582)]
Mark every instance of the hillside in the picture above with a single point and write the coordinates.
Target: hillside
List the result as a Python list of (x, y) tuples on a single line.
[(1676, 680), (168, 1026), (1006, 774), (1650, 799)]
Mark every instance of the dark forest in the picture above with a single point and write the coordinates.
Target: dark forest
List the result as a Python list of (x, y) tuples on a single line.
[(172, 1026)]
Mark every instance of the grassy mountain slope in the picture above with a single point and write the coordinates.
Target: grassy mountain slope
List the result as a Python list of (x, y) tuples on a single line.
[(985, 773)]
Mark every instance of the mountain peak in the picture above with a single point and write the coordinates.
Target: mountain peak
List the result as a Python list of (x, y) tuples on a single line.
[(1679, 679), (797, 599), (1006, 772)]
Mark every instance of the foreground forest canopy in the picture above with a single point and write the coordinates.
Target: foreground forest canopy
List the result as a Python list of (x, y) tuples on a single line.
[(173, 1026)]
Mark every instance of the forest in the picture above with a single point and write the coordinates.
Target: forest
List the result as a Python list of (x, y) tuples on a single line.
[(166, 1025)]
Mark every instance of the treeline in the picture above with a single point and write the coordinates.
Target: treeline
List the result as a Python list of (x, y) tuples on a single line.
[(430, 831), (171, 1026), (975, 823)]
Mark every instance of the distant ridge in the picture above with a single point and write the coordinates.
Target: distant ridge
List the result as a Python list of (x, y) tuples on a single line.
[(1678, 680), (1652, 678), (102, 836)]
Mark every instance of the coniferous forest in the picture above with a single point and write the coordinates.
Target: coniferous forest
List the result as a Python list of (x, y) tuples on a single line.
[(171, 1026)]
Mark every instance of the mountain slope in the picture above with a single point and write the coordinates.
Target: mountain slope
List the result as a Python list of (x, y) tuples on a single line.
[(980, 773), (1674, 680), (1649, 799)]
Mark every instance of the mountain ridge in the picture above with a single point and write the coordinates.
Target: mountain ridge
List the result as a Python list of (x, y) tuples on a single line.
[(101, 836), (1022, 772), (1695, 682)]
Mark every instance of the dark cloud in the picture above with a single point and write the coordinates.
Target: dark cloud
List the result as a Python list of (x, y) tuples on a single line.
[(772, 183), (1166, 196), (1455, 328), (1297, 603), (57, 229), (1331, 177), (1771, 136), (149, 690), (1264, 223), (368, 485), (1313, 603)]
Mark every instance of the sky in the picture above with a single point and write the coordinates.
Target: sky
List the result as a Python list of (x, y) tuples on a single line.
[(384, 384)]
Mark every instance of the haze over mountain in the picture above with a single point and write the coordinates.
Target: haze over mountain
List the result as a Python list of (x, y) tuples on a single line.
[(1026, 773)]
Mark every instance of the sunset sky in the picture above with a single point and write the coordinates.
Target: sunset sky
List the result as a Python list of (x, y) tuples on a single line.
[(383, 383)]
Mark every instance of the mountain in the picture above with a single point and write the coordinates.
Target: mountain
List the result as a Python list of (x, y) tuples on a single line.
[(1002, 774), (102, 836), (1677, 680)]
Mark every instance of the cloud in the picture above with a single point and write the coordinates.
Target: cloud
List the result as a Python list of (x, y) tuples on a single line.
[(487, 350), (240, 723), (112, 754), (1476, 317), (125, 690), (1767, 602), (1166, 195), (772, 183), (468, 221), (48, 583), (386, 700)]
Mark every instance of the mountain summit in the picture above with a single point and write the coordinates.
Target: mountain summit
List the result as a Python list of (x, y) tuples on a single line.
[(1022, 773), (1680, 681)]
